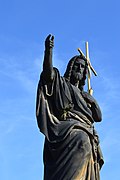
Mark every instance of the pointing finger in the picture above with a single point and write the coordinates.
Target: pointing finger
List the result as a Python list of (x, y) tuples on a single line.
[(48, 37)]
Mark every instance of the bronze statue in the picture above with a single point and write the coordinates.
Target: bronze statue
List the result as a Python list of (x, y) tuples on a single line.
[(65, 115)]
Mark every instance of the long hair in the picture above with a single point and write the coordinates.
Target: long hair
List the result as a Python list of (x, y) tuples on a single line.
[(68, 72)]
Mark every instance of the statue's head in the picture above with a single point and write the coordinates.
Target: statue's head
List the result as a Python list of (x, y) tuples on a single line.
[(76, 71)]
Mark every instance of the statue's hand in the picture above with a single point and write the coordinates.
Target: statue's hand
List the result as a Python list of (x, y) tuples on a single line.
[(49, 42)]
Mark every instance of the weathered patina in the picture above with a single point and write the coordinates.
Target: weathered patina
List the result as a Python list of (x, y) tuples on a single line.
[(65, 115)]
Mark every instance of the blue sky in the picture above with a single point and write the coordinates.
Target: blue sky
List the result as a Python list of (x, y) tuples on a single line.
[(24, 26)]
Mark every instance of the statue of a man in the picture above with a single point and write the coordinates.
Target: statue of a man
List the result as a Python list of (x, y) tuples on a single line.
[(65, 115)]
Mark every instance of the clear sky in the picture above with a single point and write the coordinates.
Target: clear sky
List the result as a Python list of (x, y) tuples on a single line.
[(24, 26)]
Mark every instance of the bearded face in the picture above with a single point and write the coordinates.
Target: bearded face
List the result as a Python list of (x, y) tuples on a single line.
[(78, 70)]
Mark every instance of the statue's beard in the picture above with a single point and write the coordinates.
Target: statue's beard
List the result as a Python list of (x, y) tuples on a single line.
[(77, 76), (77, 79)]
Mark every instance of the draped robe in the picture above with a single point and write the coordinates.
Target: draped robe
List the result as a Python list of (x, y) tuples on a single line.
[(71, 148)]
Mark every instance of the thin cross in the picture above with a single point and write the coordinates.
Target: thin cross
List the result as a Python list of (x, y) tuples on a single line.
[(90, 68)]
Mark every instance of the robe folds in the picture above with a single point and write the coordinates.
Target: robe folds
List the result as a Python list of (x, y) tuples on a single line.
[(71, 148)]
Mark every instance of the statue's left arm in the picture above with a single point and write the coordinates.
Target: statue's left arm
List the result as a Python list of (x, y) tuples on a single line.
[(96, 112)]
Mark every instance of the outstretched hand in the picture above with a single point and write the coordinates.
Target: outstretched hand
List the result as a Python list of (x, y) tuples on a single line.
[(49, 42)]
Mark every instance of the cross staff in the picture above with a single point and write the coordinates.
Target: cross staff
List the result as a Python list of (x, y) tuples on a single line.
[(90, 68)]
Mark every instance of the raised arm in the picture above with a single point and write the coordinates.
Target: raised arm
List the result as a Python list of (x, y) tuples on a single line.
[(48, 72)]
